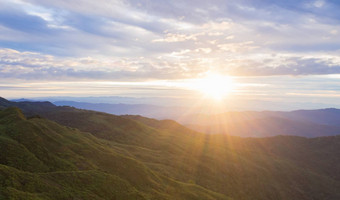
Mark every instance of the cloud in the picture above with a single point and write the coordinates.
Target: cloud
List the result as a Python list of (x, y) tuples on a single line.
[(34, 66), (171, 37), (237, 47), (167, 39), (31, 66), (270, 65)]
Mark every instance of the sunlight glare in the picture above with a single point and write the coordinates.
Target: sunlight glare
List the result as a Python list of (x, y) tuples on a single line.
[(214, 86)]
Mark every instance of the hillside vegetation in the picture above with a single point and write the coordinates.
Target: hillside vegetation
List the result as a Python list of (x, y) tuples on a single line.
[(52, 152), (43, 160)]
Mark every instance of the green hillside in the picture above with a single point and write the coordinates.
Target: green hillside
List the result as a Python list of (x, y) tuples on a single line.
[(43, 160), (283, 167), (92, 155)]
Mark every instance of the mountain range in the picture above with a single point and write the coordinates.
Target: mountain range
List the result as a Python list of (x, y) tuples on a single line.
[(307, 123), (61, 152)]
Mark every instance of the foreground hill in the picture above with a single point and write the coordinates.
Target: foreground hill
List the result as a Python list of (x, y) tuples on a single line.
[(43, 160), (92, 155)]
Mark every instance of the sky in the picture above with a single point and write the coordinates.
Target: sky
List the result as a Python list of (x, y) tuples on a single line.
[(279, 52)]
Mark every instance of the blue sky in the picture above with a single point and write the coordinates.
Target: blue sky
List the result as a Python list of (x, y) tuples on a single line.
[(275, 43)]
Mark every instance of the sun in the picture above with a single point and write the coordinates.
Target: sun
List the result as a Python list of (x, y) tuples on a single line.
[(214, 86)]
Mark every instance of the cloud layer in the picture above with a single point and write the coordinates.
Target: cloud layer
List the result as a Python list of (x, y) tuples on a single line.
[(145, 39)]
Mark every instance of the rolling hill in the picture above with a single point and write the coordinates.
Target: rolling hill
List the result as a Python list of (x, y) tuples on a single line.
[(51, 152), (42, 160)]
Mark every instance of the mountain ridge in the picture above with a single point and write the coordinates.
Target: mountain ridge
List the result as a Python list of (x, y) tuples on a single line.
[(307, 123), (155, 159)]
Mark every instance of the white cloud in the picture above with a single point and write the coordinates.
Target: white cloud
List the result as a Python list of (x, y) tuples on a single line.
[(175, 36), (319, 3), (238, 47), (172, 37)]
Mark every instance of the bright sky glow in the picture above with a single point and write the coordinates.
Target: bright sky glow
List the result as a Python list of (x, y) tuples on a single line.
[(213, 86), (272, 51)]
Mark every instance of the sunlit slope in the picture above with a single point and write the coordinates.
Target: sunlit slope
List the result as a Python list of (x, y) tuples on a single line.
[(169, 156), (283, 167), (43, 160)]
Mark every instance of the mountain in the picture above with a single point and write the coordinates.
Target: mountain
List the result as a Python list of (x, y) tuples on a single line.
[(154, 111), (306, 123), (52, 152), (328, 116), (22, 99), (41, 159), (230, 104), (245, 124), (161, 110), (269, 126)]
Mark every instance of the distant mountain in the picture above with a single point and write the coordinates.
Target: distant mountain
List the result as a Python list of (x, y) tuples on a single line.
[(22, 99), (125, 109), (269, 126), (328, 116), (188, 102), (158, 111), (83, 154), (306, 123), (158, 101)]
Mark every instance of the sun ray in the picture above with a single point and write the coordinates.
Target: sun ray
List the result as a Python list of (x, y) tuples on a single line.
[(214, 86)]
